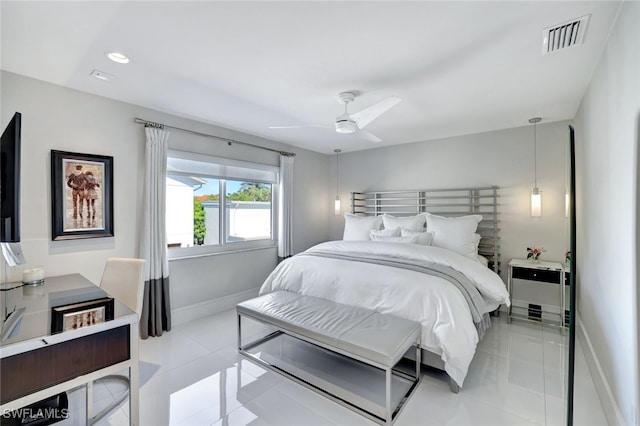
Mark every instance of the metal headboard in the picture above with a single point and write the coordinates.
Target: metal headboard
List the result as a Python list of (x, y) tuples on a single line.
[(444, 202)]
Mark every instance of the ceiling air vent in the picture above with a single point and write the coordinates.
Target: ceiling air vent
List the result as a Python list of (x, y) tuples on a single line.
[(567, 34)]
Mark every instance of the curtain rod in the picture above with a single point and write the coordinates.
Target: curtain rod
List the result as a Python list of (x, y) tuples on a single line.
[(227, 140)]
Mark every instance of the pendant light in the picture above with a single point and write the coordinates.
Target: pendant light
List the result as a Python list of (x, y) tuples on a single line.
[(336, 206), (536, 194)]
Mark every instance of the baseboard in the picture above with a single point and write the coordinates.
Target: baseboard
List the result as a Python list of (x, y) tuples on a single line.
[(609, 405), (210, 307)]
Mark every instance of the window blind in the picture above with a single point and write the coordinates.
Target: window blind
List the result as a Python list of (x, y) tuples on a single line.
[(192, 164)]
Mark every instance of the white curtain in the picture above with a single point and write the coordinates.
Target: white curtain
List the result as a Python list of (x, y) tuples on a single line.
[(156, 308), (285, 209)]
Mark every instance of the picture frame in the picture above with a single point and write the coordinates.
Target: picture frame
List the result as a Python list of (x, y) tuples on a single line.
[(82, 314), (82, 195)]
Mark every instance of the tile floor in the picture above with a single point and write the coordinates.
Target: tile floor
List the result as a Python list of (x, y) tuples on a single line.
[(194, 376)]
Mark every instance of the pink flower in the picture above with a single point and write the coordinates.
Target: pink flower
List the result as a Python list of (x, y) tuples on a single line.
[(534, 252)]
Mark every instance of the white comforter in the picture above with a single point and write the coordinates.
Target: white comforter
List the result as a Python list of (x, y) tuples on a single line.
[(447, 325)]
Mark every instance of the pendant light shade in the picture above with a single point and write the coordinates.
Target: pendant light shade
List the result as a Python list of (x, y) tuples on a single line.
[(536, 194), (336, 204), (536, 202)]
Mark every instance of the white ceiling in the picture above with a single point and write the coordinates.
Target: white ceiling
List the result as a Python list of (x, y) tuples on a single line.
[(459, 67)]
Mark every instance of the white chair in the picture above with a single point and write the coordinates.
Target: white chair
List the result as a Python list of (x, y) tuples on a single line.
[(122, 279)]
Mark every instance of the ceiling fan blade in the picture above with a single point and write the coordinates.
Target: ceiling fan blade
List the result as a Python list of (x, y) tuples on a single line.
[(324, 126), (286, 127), (368, 136), (367, 115)]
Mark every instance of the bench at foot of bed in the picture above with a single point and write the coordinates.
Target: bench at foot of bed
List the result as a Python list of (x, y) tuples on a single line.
[(360, 336)]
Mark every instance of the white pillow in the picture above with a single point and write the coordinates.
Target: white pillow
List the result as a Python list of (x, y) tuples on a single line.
[(477, 237), (409, 240), (423, 238), (483, 261), (413, 223), (357, 228), (455, 233), (384, 233)]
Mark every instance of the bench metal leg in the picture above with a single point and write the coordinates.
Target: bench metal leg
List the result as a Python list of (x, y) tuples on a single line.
[(239, 331), (418, 359), (388, 398)]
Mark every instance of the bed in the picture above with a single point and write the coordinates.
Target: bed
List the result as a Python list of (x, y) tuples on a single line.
[(416, 255)]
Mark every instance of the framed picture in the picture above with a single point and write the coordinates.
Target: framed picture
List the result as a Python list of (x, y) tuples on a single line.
[(82, 195), (83, 314)]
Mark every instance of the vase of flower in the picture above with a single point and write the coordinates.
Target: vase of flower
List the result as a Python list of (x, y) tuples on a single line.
[(534, 254)]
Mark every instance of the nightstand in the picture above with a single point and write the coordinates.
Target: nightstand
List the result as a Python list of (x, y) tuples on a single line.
[(567, 295), (544, 273)]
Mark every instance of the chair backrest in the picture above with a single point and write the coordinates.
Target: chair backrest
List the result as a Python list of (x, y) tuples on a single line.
[(124, 280)]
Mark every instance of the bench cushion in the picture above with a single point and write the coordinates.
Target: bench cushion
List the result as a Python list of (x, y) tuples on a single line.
[(366, 334)]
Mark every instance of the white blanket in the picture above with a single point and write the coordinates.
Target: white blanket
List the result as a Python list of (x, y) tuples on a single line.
[(447, 326)]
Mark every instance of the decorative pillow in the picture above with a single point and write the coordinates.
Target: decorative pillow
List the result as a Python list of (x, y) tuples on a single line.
[(423, 238), (455, 233), (357, 228), (384, 233), (410, 240), (412, 223)]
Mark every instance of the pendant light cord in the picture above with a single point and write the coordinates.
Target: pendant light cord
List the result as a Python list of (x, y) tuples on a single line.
[(535, 121), (535, 156), (337, 151)]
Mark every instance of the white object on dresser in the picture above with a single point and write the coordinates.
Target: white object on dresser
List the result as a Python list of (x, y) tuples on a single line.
[(541, 272), (32, 275)]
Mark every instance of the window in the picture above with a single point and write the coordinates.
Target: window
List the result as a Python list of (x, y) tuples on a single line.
[(217, 204)]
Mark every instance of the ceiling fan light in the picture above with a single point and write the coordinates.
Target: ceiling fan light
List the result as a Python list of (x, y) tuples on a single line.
[(346, 126)]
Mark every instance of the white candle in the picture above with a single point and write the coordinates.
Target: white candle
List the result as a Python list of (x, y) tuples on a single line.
[(32, 274)]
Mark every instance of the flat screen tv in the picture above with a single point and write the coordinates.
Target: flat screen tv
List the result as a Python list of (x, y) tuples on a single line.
[(10, 181)]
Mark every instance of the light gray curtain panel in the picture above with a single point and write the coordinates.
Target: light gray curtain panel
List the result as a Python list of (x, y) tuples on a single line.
[(156, 307), (285, 210)]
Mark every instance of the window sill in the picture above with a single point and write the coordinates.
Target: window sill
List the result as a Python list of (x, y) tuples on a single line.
[(184, 255)]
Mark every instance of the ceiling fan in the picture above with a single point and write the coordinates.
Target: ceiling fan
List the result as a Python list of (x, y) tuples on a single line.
[(351, 123)]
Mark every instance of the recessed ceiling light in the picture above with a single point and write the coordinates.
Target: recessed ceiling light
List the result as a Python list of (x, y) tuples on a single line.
[(118, 57)]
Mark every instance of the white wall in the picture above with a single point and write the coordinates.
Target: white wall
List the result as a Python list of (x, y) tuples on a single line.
[(180, 217), (249, 219), (54, 117), (66, 120), (607, 213), (503, 158)]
